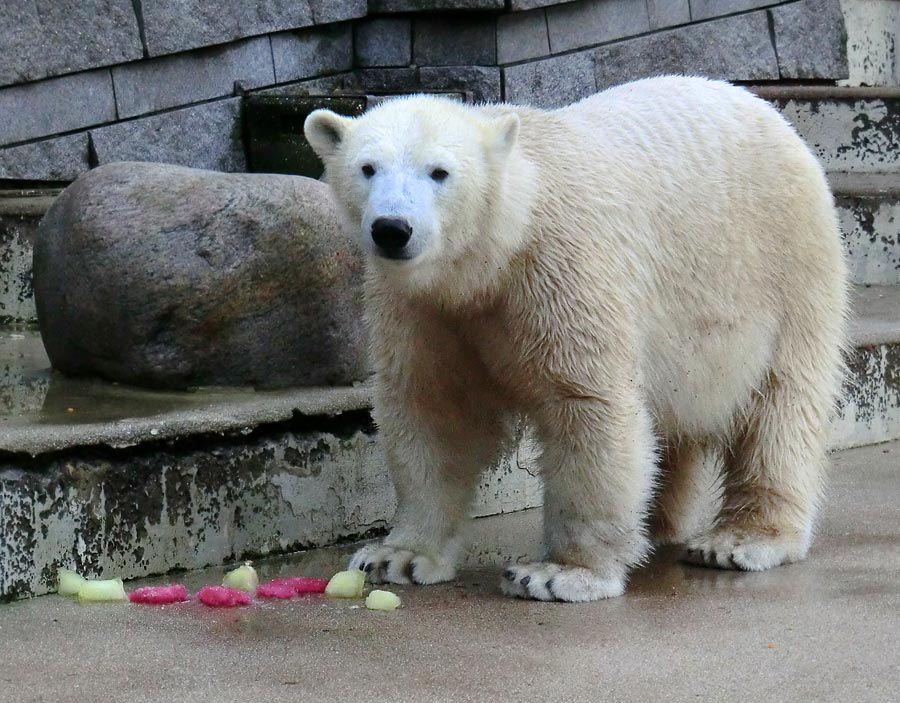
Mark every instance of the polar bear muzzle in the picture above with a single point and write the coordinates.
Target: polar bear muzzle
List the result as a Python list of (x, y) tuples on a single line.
[(391, 235)]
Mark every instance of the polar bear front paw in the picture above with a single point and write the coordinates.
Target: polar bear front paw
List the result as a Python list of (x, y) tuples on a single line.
[(384, 564), (744, 550), (554, 582)]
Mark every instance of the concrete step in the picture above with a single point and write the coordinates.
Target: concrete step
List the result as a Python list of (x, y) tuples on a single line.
[(135, 482), (869, 211), (850, 129), (20, 212)]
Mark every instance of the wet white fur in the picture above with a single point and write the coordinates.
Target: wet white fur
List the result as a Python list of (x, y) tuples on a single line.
[(654, 273)]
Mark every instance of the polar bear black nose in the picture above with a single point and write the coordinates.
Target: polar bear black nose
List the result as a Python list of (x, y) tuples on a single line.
[(391, 234)]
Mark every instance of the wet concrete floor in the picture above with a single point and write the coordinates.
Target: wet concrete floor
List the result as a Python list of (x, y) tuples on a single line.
[(824, 630)]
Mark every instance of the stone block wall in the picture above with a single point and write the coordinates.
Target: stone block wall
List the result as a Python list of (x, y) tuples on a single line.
[(86, 82)]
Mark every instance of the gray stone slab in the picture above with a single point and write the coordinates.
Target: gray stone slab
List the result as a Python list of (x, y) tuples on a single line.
[(454, 40), (521, 36), (668, 13), (59, 159), (41, 38), (734, 48), (521, 5), (483, 82), (706, 9), (811, 40), (821, 630), (177, 25), (376, 6), (309, 52), (173, 81), (383, 41), (383, 80), (591, 22), (552, 82), (315, 86), (56, 105), (325, 11), (202, 136)]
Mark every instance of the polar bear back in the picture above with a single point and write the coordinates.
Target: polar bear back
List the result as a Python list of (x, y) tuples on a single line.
[(695, 204)]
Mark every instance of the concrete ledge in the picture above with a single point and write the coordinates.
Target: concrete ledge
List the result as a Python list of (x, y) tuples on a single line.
[(876, 316), (864, 185), (27, 203), (824, 92), (55, 413)]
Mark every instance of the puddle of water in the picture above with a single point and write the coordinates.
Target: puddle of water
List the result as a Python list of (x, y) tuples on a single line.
[(30, 391)]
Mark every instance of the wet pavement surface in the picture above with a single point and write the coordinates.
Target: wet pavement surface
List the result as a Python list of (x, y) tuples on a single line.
[(42, 410), (824, 630)]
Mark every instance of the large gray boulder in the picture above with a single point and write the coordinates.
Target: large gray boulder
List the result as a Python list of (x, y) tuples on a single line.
[(172, 277)]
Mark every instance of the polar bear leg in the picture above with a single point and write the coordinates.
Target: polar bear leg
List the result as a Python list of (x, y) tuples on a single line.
[(773, 479), (687, 489), (435, 479), (598, 467)]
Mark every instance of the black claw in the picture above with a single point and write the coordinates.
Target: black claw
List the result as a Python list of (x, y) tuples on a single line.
[(368, 567), (525, 581), (550, 589), (408, 571), (509, 575)]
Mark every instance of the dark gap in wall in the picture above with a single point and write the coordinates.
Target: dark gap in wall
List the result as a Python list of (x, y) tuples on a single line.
[(139, 15), (112, 82), (272, 54), (770, 18), (93, 159)]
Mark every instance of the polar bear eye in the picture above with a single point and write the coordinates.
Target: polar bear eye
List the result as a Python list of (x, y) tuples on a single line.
[(439, 174), (368, 170)]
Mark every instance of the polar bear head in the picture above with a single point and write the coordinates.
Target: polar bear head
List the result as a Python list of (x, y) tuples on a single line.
[(423, 178)]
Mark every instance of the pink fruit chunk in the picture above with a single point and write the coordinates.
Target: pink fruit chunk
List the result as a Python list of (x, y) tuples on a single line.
[(223, 597), (274, 589), (290, 587), (159, 595), (303, 585)]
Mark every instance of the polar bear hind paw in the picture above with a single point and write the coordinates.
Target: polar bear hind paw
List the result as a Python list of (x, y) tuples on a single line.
[(744, 550), (547, 581), (384, 564)]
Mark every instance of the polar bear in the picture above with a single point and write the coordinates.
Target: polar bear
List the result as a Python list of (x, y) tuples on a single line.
[(650, 277)]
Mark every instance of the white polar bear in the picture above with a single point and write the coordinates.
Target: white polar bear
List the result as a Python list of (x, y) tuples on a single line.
[(650, 276)]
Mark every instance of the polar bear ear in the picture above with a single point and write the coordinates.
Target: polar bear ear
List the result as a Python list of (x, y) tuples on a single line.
[(324, 131), (504, 133)]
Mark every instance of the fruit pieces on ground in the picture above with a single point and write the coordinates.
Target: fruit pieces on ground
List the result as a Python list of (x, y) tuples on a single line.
[(244, 578), (159, 595), (108, 591), (69, 582), (346, 584), (223, 597), (285, 588), (382, 600)]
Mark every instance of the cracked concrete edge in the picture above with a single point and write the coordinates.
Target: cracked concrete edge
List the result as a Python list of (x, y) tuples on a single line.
[(236, 411)]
